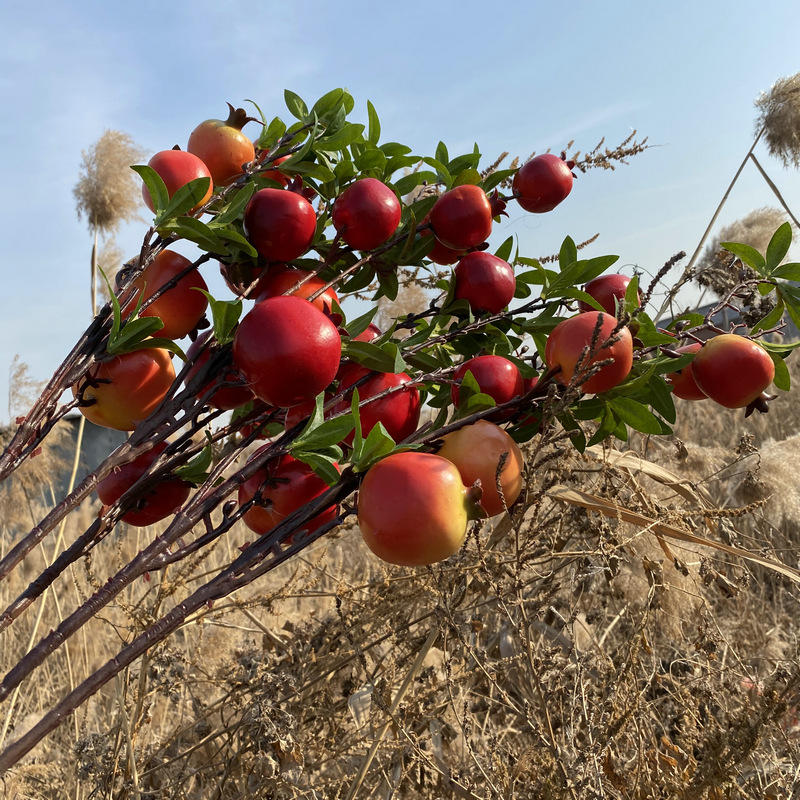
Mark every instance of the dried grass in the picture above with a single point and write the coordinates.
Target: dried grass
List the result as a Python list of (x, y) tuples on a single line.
[(107, 191), (779, 116)]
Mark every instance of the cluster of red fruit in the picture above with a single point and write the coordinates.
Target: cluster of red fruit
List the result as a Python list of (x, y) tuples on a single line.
[(413, 506)]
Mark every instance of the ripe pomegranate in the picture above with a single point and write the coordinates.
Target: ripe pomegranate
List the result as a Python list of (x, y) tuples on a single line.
[(287, 350), (607, 290), (176, 168), (477, 450), (462, 217), (496, 376), (280, 224), (542, 183), (126, 389), (399, 411), (222, 146), (279, 279), (413, 508), (161, 501), (285, 484), (569, 338), (366, 214), (732, 370), (485, 281), (179, 308)]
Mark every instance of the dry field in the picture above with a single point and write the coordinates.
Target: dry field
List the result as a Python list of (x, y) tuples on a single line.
[(564, 653)]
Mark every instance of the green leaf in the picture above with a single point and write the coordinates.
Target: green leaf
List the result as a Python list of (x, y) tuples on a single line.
[(235, 238), (609, 423), (159, 195), (272, 134), (236, 206), (327, 107), (470, 397), (388, 283), (385, 357), (377, 445), (133, 332), (637, 415), (495, 179), (392, 149), (369, 158), (782, 379), (505, 249), (779, 246), (194, 230), (441, 153), (410, 182), (185, 199), (360, 324), (791, 297), (442, 173), (789, 272), (749, 255), (195, 471), (323, 463), (467, 176), (297, 157), (297, 108), (348, 134), (374, 124), (568, 254), (771, 319), (224, 314)]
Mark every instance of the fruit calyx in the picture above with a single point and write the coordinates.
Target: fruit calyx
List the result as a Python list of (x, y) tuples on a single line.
[(760, 404), (498, 204), (238, 118), (472, 502)]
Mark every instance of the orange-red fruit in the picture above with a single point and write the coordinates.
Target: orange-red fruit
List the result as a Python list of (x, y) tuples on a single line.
[(441, 254), (287, 350), (179, 308), (398, 411), (607, 290), (280, 224), (485, 281), (222, 146), (286, 485), (683, 382), (280, 278), (566, 344), (496, 376), (413, 509), (732, 370), (366, 214), (477, 450), (177, 168), (162, 500), (542, 183), (462, 217), (274, 173), (127, 388)]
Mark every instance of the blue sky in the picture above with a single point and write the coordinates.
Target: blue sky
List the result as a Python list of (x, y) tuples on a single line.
[(518, 76)]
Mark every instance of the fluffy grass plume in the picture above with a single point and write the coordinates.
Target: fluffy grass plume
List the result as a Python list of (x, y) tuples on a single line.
[(779, 116)]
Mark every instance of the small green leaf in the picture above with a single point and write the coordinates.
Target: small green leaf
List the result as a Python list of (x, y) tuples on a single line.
[(323, 464), (296, 105), (637, 415), (788, 272), (568, 254), (385, 357), (344, 137), (224, 314), (505, 249), (236, 206), (749, 255), (441, 153), (159, 195), (779, 246), (374, 124), (443, 174), (133, 332), (185, 199), (782, 379), (360, 324), (195, 471), (236, 239), (272, 134), (467, 176), (377, 445), (194, 230)]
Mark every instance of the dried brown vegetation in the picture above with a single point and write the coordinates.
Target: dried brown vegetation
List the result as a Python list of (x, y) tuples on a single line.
[(779, 117), (561, 654)]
